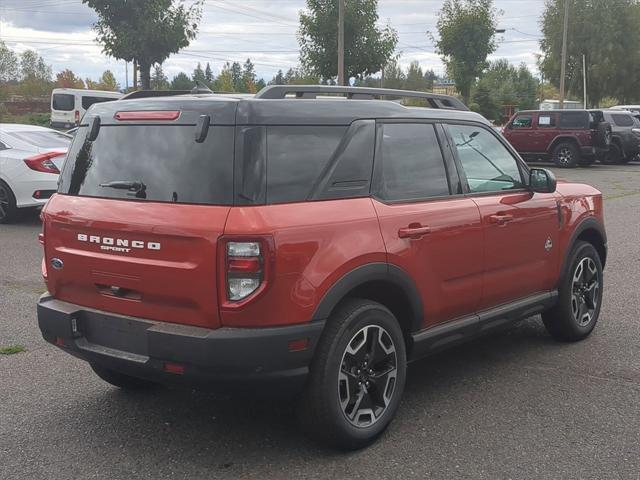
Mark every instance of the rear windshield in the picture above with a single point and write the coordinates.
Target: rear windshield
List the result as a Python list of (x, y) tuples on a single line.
[(44, 139), (164, 162), (63, 101)]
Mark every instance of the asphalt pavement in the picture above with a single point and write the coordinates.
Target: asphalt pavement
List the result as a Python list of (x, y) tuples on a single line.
[(516, 405)]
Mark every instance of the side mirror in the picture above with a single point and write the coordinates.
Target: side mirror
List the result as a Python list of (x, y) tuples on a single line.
[(542, 180)]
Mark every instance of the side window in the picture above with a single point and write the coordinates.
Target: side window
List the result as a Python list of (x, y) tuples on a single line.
[(546, 120), (88, 101), (488, 165), (576, 120), (522, 121), (622, 120), (412, 163), (296, 155)]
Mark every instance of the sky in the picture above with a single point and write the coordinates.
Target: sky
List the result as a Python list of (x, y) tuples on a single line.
[(263, 30)]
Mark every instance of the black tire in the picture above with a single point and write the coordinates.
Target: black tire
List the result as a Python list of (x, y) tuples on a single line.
[(120, 380), (577, 298), (613, 156), (603, 135), (328, 412), (8, 208), (566, 155)]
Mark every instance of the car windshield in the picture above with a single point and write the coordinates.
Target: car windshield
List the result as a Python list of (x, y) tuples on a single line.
[(43, 138)]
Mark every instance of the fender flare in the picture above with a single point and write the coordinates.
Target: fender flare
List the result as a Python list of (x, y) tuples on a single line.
[(367, 273), (589, 223)]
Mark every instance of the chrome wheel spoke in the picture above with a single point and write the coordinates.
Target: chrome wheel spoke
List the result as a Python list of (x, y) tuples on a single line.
[(585, 291)]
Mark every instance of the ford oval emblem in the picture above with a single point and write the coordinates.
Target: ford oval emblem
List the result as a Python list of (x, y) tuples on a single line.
[(57, 263)]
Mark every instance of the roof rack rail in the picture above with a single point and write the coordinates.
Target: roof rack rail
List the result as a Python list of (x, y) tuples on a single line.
[(446, 102)]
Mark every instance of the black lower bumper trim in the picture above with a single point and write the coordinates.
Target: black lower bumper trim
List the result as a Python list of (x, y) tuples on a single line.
[(141, 347)]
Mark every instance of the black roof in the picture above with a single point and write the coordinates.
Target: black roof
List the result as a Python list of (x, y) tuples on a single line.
[(276, 108)]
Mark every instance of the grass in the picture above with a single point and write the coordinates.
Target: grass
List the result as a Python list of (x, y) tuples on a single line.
[(11, 349)]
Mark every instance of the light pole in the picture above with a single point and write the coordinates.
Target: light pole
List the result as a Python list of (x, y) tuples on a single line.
[(564, 52), (341, 42)]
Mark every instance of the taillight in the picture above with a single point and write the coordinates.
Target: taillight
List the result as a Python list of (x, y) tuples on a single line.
[(77, 117), (43, 163), (246, 264)]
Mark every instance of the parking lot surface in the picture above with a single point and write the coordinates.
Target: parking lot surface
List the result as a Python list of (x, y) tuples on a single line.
[(515, 405)]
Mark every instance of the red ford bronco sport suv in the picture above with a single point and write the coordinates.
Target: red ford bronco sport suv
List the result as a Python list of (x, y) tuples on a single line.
[(313, 242), (568, 137)]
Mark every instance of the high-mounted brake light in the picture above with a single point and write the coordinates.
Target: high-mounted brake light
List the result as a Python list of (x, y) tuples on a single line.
[(43, 163), (148, 115)]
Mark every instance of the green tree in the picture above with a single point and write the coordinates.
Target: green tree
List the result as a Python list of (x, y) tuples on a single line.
[(607, 34), (108, 81), (236, 76), (9, 65), (501, 85), (367, 47), (181, 82), (249, 78), (145, 31), (198, 75), (159, 80), (466, 30), (225, 79), (394, 76), (278, 79), (208, 75), (68, 79), (35, 75)]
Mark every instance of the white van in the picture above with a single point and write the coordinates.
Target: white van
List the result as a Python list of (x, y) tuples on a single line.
[(69, 104)]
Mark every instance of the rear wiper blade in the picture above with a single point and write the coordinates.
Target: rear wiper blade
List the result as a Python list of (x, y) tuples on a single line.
[(133, 186)]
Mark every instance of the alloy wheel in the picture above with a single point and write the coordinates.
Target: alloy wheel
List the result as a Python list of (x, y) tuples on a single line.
[(565, 156), (367, 378), (585, 290)]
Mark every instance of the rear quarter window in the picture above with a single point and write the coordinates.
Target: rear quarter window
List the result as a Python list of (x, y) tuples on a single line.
[(63, 101), (574, 120), (88, 101), (622, 120)]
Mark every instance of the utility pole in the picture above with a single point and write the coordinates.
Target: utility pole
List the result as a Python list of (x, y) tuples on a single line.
[(564, 52), (584, 79), (126, 76), (340, 42)]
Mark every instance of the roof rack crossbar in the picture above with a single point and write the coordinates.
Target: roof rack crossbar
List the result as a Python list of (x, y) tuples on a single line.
[(446, 102)]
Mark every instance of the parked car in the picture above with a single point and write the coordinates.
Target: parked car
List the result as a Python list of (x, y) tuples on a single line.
[(68, 105), (211, 239), (625, 140), (30, 160), (568, 137)]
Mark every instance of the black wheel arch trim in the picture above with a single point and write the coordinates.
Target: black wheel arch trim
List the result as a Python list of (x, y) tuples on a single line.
[(590, 223), (367, 273)]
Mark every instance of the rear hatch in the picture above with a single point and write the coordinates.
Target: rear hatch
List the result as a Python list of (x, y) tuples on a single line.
[(140, 208)]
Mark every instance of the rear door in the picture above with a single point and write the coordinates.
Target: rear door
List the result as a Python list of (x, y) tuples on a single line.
[(139, 213), (520, 227), (430, 231)]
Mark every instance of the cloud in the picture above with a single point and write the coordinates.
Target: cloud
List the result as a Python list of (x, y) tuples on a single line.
[(262, 30)]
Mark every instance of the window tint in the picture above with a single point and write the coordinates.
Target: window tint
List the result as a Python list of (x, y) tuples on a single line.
[(574, 119), (488, 165), (622, 120), (412, 163), (295, 157), (546, 120), (63, 101), (44, 138), (522, 121), (165, 158), (88, 101)]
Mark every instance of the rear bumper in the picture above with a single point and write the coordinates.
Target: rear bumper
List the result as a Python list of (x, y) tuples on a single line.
[(142, 348), (63, 125)]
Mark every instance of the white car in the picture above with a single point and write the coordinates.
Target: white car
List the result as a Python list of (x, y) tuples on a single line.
[(31, 159)]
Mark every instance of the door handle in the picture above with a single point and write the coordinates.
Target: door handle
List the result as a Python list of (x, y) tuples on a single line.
[(501, 218), (414, 231)]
